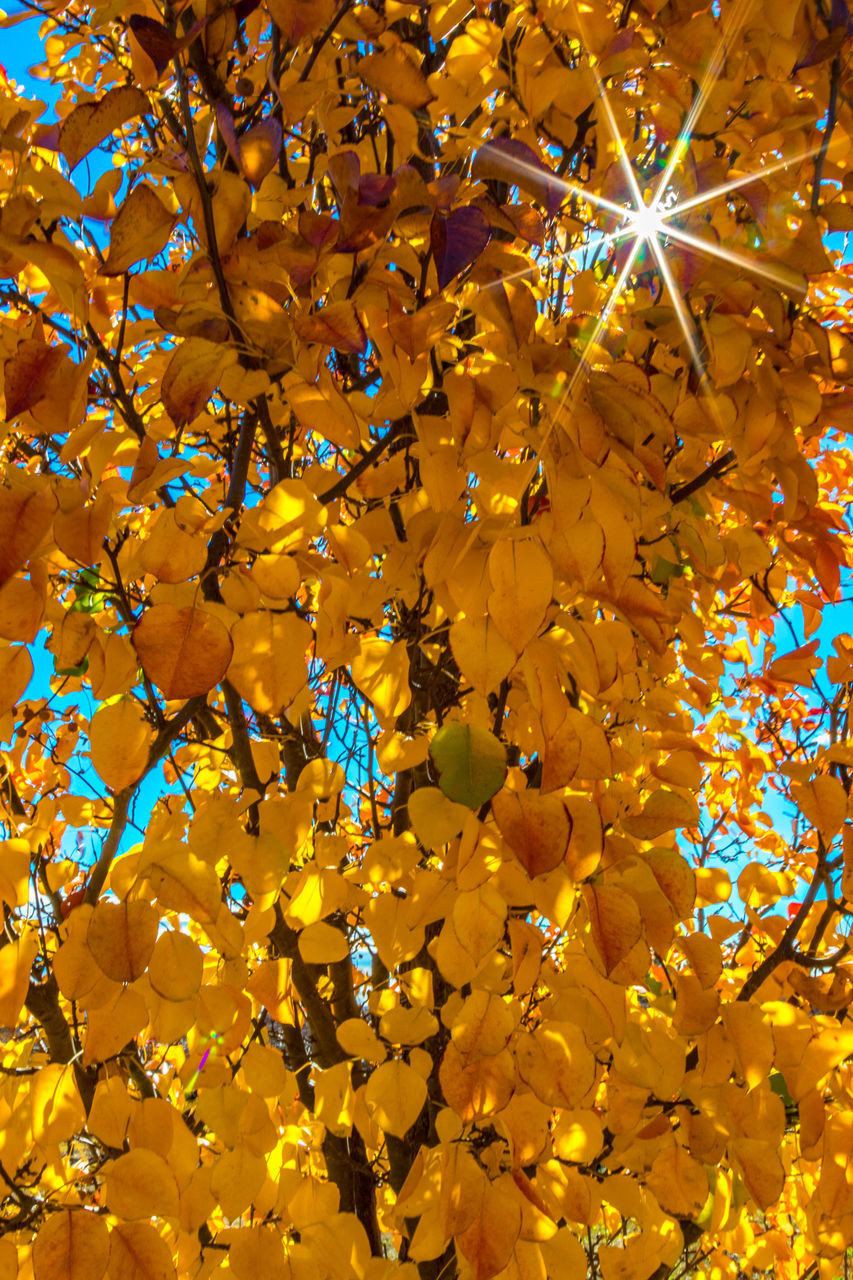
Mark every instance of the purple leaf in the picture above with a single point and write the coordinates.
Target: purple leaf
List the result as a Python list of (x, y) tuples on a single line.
[(153, 38), (514, 162), (457, 240)]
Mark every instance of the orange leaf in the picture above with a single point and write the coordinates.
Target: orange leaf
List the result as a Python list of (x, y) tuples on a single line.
[(140, 230), (184, 652), (396, 72), (121, 937), (72, 1245), (615, 922), (489, 1241), (535, 826), (25, 519), (91, 122)]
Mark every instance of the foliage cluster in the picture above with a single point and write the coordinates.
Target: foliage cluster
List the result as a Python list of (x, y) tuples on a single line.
[(448, 561)]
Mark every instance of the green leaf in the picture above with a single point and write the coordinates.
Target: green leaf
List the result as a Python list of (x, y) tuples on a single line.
[(471, 763), (664, 570)]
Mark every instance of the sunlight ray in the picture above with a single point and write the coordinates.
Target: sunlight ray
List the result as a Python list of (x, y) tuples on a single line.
[(785, 279), (570, 188), (709, 79), (613, 128), (582, 368), (736, 184)]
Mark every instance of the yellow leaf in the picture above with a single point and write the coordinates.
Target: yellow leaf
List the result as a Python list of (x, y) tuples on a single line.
[(678, 1182), (72, 1245), (264, 1071), (482, 654), (110, 1026), (522, 586), (488, 1242), (137, 1252), (762, 1169), (16, 960), (321, 943), (334, 1099), (396, 72), (120, 737), (478, 918), (483, 1025), (381, 671), (578, 1136), (359, 1040), (476, 1089), (140, 1185), (555, 1063), (181, 881), (663, 811), (402, 1025), (57, 1108), (395, 1095), (749, 1031), (184, 652), (121, 937), (176, 966), (435, 819), (14, 871), (256, 1253), (170, 553), (268, 668), (615, 923), (236, 1179), (111, 1111), (824, 803)]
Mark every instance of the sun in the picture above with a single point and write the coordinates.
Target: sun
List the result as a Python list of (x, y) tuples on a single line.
[(651, 219), (647, 221)]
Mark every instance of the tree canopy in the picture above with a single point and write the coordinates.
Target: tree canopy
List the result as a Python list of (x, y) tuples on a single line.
[(424, 694)]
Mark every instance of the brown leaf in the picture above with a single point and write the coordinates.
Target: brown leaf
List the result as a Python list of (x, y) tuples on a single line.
[(27, 374), (72, 1245), (536, 828), (190, 379), (336, 325), (121, 937), (184, 652), (24, 521), (88, 124)]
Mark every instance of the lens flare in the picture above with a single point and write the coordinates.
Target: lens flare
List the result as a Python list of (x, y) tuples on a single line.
[(650, 220)]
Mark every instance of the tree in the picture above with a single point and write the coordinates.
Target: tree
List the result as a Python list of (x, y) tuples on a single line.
[(427, 850)]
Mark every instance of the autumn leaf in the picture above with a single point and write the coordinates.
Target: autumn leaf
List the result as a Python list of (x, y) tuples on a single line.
[(514, 161), (457, 239), (91, 122), (140, 230), (395, 72), (471, 763), (121, 937), (76, 1245), (185, 652), (28, 373)]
